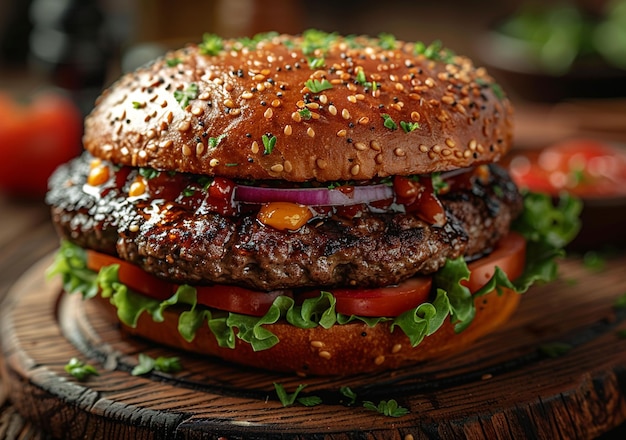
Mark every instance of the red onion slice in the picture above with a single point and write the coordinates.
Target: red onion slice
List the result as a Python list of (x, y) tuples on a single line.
[(314, 196)]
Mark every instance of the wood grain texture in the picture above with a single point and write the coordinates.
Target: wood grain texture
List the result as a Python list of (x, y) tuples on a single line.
[(505, 387)]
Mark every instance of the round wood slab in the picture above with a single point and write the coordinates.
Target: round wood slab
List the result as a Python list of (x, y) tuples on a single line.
[(508, 385)]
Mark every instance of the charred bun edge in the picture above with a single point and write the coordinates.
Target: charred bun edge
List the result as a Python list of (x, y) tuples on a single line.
[(314, 106), (341, 350)]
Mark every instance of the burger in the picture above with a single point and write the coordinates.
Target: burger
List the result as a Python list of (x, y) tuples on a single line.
[(314, 204)]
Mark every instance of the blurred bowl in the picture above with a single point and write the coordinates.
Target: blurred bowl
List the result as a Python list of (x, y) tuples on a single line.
[(510, 61), (592, 170)]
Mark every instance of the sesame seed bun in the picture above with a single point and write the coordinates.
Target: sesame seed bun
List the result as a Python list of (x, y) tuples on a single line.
[(350, 108)]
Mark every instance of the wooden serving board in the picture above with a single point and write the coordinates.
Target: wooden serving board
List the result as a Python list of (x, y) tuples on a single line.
[(506, 386)]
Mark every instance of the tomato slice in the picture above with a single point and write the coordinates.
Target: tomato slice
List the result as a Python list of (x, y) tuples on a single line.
[(509, 255), (219, 296), (383, 301), (389, 301), (585, 167)]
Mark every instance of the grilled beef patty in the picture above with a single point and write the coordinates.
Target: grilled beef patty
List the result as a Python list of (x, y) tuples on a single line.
[(188, 245)]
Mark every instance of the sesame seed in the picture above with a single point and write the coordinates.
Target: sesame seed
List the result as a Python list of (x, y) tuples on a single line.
[(184, 126), (259, 77), (375, 145), (352, 99), (415, 116), (423, 148), (409, 437), (458, 154), (164, 104), (379, 359), (310, 132), (332, 110), (255, 147), (399, 152), (430, 82), (204, 96), (323, 99), (288, 130), (437, 149), (313, 105), (317, 344), (321, 164), (396, 348), (288, 166), (447, 99), (378, 159), (277, 168), (342, 133), (276, 103), (214, 162), (467, 154), (472, 145), (268, 113), (359, 96), (170, 116), (247, 95), (360, 146), (133, 228), (355, 169), (325, 354), (364, 120), (300, 104), (235, 112), (450, 143), (186, 150), (199, 148), (446, 152), (296, 117), (197, 111), (260, 87), (345, 114)]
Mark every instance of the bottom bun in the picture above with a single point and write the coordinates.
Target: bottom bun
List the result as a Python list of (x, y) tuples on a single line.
[(340, 350)]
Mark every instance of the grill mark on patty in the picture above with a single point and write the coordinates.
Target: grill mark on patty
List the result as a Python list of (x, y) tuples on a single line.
[(371, 250)]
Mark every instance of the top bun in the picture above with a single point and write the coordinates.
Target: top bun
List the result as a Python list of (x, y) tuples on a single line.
[(316, 106)]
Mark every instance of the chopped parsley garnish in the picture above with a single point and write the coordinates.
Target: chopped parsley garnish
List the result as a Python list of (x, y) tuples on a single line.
[(555, 349), (288, 399), (171, 62), (79, 369), (389, 122), (409, 126), (269, 142), (137, 104), (316, 63), (183, 96), (434, 51), (347, 392), (439, 184), (316, 86), (389, 408), (305, 113), (148, 173), (387, 41), (165, 364), (251, 43), (360, 77), (211, 44), (214, 141), (313, 39)]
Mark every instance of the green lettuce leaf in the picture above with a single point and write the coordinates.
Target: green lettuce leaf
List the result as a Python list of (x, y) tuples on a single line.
[(546, 227)]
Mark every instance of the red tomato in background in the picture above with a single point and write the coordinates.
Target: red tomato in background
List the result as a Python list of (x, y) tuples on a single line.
[(35, 138), (584, 167)]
